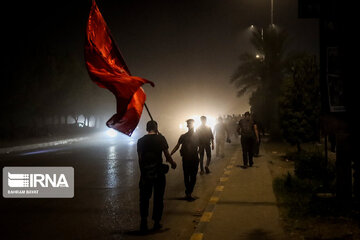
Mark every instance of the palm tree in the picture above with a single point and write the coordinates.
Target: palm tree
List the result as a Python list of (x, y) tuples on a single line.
[(261, 74)]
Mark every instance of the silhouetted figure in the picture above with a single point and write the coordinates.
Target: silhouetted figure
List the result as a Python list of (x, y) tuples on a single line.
[(189, 151), (206, 138), (257, 143), (249, 136), (221, 134), (150, 148)]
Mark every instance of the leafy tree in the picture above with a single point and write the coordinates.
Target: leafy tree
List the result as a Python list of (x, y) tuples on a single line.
[(300, 101)]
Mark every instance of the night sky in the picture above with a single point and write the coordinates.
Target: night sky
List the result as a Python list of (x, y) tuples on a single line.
[(189, 49)]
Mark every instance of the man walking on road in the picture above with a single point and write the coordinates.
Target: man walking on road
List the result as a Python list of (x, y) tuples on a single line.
[(150, 148), (249, 136), (206, 138), (221, 134), (190, 159)]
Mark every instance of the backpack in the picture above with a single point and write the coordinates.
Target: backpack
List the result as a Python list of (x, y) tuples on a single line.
[(246, 127)]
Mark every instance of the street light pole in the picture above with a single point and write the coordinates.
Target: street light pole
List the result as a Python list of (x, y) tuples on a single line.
[(272, 13)]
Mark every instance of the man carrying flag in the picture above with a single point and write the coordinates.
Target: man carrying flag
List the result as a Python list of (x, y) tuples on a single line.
[(150, 148), (108, 70)]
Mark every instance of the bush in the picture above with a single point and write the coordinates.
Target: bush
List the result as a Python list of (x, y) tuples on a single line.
[(299, 198), (312, 165), (299, 104), (294, 194)]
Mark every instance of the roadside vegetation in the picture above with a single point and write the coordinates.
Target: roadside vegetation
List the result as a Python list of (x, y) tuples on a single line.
[(304, 184)]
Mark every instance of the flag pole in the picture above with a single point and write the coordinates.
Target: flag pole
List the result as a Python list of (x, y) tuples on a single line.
[(147, 109)]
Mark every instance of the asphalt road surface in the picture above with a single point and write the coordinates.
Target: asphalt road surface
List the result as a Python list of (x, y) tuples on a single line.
[(106, 201)]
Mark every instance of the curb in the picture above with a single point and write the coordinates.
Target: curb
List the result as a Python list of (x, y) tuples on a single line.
[(198, 234), (40, 145)]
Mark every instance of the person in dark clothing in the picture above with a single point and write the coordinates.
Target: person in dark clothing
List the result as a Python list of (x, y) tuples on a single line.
[(190, 159), (150, 148), (206, 138), (257, 143), (249, 136), (221, 136)]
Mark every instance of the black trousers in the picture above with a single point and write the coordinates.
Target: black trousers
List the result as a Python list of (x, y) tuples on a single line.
[(190, 168), (204, 148), (247, 144), (146, 188)]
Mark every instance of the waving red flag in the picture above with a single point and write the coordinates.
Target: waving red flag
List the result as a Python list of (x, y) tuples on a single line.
[(108, 69)]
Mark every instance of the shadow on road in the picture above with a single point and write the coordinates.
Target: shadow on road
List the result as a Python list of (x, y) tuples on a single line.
[(139, 233), (244, 167), (259, 234), (194, 198)]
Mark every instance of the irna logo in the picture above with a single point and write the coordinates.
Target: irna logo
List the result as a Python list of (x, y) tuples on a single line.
[(38, 182), (35, 180)]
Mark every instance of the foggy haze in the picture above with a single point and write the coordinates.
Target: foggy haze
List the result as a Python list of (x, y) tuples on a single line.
[(189, 49)]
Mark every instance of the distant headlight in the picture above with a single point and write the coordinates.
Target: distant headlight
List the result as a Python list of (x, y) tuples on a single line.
[(111, 132), (211, 122)]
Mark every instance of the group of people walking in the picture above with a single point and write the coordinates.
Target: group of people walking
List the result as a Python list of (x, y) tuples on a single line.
[(193, 146)]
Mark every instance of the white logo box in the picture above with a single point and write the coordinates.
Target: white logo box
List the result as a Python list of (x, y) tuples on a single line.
[(38, 182)]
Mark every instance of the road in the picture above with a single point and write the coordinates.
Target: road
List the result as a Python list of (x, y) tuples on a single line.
[(105, 205)]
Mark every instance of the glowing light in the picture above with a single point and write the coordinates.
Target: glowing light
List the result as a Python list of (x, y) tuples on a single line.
[(257, 56), (111, 132), (210, 122), (197, 122), (251, 28)]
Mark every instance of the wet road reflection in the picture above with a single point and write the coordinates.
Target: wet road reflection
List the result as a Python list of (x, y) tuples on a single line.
[(106, 202), (121, 166), (111, 178)]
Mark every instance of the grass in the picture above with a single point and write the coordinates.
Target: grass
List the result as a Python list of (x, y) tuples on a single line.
[(305, 214), (292, 195)]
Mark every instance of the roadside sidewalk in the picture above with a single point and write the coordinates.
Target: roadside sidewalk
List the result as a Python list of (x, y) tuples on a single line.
[(243, 205)]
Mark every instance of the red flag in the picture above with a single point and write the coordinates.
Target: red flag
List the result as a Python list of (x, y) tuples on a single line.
[(108, 69)]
